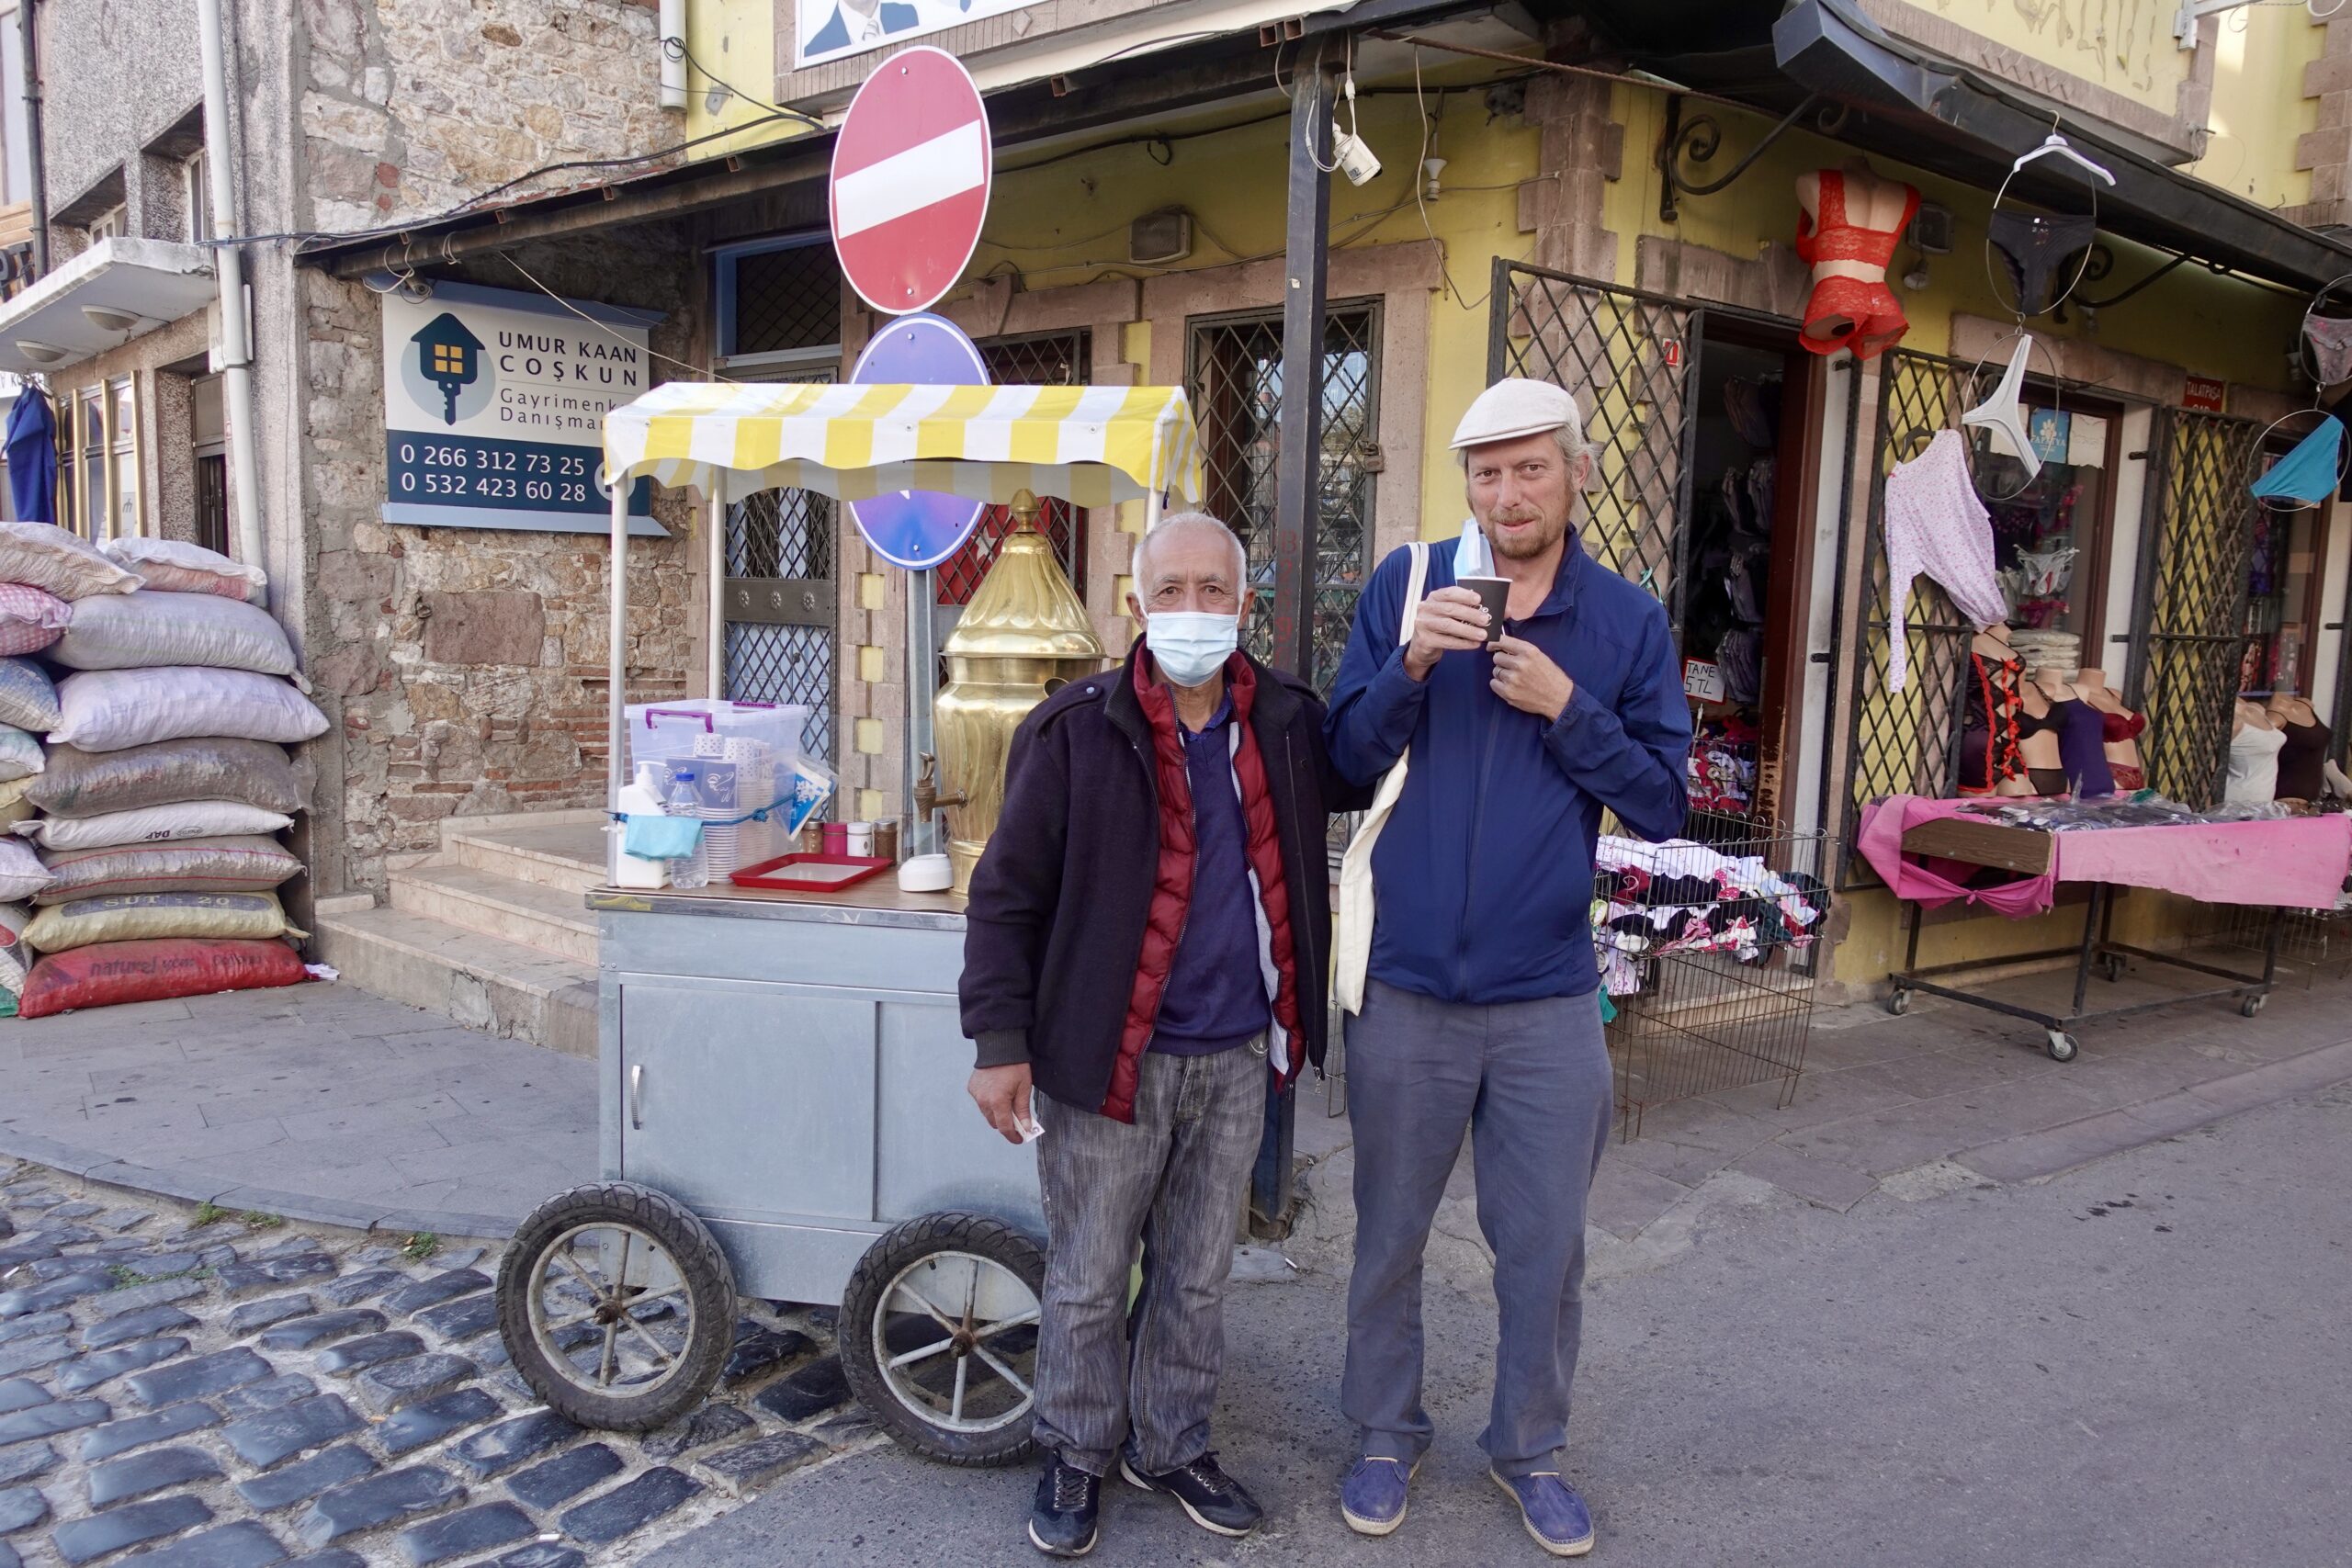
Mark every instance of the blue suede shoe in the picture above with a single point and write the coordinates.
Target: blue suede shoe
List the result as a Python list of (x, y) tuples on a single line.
[(1371, 1494), (1554, 1514)]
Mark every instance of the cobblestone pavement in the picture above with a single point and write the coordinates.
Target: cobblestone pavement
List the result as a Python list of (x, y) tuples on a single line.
[(245, 1391)]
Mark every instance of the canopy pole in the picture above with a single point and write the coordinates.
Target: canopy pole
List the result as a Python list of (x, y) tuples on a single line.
[(716, 633), (615, 736)]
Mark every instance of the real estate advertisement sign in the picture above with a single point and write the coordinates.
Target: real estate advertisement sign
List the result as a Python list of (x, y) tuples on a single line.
[(835, 29), (494, 405)]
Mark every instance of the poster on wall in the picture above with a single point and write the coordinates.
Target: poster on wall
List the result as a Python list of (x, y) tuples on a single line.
[(835, 29), (494, 405)]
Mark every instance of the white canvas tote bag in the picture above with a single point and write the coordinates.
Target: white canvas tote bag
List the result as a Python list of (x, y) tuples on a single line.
[(1353, 947)]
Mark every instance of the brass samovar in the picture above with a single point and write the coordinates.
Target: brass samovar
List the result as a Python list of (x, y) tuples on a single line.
[(1023, 638)]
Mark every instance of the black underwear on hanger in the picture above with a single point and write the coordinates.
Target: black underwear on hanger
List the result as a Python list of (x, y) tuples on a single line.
[(2037, 248)]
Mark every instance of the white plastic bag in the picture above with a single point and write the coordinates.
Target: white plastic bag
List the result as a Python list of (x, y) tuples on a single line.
[(171, 565), (152, 825), (142, 631), (21, 873), (106, 710)]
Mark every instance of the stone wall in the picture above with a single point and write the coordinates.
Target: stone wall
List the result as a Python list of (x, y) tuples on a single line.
[(466, 668)]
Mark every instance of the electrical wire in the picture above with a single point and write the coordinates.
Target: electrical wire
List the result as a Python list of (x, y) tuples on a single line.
[(698, 371), (676, 48)]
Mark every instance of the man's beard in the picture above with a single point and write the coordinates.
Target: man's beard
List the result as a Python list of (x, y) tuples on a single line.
[(1528, 545)]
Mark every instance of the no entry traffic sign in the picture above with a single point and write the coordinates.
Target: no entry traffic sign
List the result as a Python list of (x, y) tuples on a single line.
[(918, 529), (911, 171)]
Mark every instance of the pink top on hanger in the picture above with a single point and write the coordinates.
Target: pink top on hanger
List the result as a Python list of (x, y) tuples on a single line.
[(1937, 526)]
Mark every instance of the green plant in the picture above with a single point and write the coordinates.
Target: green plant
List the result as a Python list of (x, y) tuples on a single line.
[(258, 1220), (420, 1247), (208, 1213)]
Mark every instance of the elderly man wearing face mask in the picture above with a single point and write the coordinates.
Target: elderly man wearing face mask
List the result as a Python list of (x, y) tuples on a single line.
[(1477, 1011), (1146, 948)]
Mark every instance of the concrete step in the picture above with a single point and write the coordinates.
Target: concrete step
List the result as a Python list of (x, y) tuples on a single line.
[(533, 914), (553, 849), (483, 982)]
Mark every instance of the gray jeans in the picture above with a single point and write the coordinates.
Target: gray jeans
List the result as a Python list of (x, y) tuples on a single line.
[(1173, 1179), (1531, 1083)]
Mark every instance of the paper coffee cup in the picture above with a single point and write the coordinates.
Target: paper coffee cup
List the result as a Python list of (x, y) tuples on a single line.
[(1494, 592)]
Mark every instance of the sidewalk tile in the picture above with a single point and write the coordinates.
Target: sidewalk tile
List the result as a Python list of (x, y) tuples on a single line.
[(1625, 1198), (1818, 1182)]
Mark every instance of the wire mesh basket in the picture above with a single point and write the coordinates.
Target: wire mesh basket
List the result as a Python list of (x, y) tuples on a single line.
[(2313, 944), (1709, 947)]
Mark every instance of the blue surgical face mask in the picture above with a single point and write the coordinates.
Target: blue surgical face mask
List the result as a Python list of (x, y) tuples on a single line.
[(1191, 646)]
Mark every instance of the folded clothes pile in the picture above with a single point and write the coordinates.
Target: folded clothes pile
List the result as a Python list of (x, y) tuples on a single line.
[(1651, 900), (2063, 816)]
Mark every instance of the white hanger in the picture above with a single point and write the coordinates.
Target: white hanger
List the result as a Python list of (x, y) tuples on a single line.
[(2054, 142)]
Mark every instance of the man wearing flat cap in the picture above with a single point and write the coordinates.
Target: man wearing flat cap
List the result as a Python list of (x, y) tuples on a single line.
[(1478, 1011)]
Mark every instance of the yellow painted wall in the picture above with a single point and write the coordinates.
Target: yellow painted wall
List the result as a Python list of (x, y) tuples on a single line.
[(734, 41), (2259, 109), (2125, 46)]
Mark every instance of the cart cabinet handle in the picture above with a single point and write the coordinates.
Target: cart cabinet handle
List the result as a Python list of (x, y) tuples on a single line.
[(679, 713), (637, 1097)]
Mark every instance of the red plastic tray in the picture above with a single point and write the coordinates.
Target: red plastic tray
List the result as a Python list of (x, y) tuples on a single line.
[(776, 874)]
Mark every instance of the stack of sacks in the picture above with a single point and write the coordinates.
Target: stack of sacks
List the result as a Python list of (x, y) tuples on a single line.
[(165, 779)]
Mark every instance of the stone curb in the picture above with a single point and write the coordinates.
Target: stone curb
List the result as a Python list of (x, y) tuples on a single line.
[(194, 1187)]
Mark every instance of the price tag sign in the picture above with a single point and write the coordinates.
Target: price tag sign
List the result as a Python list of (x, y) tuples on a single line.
[(1703, 681)]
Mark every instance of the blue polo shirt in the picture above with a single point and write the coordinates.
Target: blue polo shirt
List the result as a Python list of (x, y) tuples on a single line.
[(1215, 998)]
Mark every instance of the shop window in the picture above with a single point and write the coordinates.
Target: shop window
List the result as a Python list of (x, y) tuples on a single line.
[(2281, 598), (785, 536), (778, 302), (2051, 549), (1234, 375), (1036, 359)]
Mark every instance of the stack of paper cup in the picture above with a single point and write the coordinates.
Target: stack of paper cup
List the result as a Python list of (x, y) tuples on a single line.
[(748, 767)]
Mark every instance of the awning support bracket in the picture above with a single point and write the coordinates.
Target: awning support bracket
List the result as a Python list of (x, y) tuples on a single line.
[(1699, 139)]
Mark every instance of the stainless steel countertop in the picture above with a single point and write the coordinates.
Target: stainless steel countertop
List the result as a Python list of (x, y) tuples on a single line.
[(874, 902)]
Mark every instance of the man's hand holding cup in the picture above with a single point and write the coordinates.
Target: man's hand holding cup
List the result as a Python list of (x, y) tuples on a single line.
[(1451, 620)]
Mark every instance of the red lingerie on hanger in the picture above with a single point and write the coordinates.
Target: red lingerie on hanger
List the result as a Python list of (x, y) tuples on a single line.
[(1844, 312)]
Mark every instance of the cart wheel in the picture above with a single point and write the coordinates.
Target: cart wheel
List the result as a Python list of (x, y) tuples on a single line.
[(2253, 1004), (939, 1336), (2062, 1046), (617, 1306), (2112, 967), (1898, 1002)]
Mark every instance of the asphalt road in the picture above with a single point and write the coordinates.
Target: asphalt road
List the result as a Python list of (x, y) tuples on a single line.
[(2146, 1360)]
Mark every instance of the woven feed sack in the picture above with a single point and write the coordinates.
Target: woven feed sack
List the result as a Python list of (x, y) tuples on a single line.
[(109, 710), (20, 754), (171, 565), (55, 562), (28, 700), (110, 973), (153, 825), (92, 783), (143, 630), (30, 618), (15, 802), (144, 917), (241, 865), (21, 872)]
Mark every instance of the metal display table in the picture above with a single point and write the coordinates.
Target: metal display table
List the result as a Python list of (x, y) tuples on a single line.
[(2030, 851), (783, 1114)]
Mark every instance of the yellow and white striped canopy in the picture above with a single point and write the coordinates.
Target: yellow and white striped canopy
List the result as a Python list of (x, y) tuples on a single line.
[(1091, 446)]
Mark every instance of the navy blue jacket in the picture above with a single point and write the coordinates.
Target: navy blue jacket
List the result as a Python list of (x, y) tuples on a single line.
[(1484, 874)]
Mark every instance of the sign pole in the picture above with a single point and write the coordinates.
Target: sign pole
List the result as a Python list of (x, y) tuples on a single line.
[(922, 688)]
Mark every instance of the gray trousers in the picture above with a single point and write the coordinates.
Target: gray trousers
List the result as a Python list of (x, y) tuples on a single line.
[(1531, 1083), (1173, 1179)]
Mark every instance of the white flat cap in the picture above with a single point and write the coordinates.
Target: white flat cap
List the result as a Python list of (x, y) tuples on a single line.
[(1517, 407)]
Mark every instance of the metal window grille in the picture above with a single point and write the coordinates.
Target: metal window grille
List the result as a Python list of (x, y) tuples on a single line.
[(1234, 375), (786, 536), (2193, 583), (1630, 359), (1036, 359), (782, 300)]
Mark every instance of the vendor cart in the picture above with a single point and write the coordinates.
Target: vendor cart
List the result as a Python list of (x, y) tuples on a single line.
[(782, 1075), (2266, 867)]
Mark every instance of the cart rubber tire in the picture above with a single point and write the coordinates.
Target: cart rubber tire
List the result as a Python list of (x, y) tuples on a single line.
[(2062, 1046), (709, 1282), (892, 1255), (2112, 967), (2253, 1005), (1898, 1003)]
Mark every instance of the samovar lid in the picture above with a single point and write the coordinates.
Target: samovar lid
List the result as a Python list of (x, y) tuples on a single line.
[(1025, 607)]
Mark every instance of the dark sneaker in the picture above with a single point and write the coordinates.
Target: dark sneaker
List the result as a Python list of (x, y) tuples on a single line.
[(1372, 1496), (1215, 1499), (1552, 1511), (1061, 1524)]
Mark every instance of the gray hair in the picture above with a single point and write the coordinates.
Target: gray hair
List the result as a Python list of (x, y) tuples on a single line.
[(1139, 568), (1571, 442)]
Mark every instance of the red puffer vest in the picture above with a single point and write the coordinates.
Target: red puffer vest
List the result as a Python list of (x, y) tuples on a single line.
[(1172, 893)]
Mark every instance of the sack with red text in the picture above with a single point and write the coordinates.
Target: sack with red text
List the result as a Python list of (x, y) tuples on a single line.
[(110, 972)]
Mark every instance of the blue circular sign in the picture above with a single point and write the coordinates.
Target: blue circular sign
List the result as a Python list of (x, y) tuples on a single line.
[(918, 529)]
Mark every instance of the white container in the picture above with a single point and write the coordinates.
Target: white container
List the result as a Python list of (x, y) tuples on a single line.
[(925, 873), (640, 796), (659, 731), (861, 838)]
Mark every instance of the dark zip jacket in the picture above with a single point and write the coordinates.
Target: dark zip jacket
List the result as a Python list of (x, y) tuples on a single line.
[(1483, 877), (1062, 902)]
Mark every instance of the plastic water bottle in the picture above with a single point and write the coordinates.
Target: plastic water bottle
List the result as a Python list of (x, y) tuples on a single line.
[(694, 869)]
